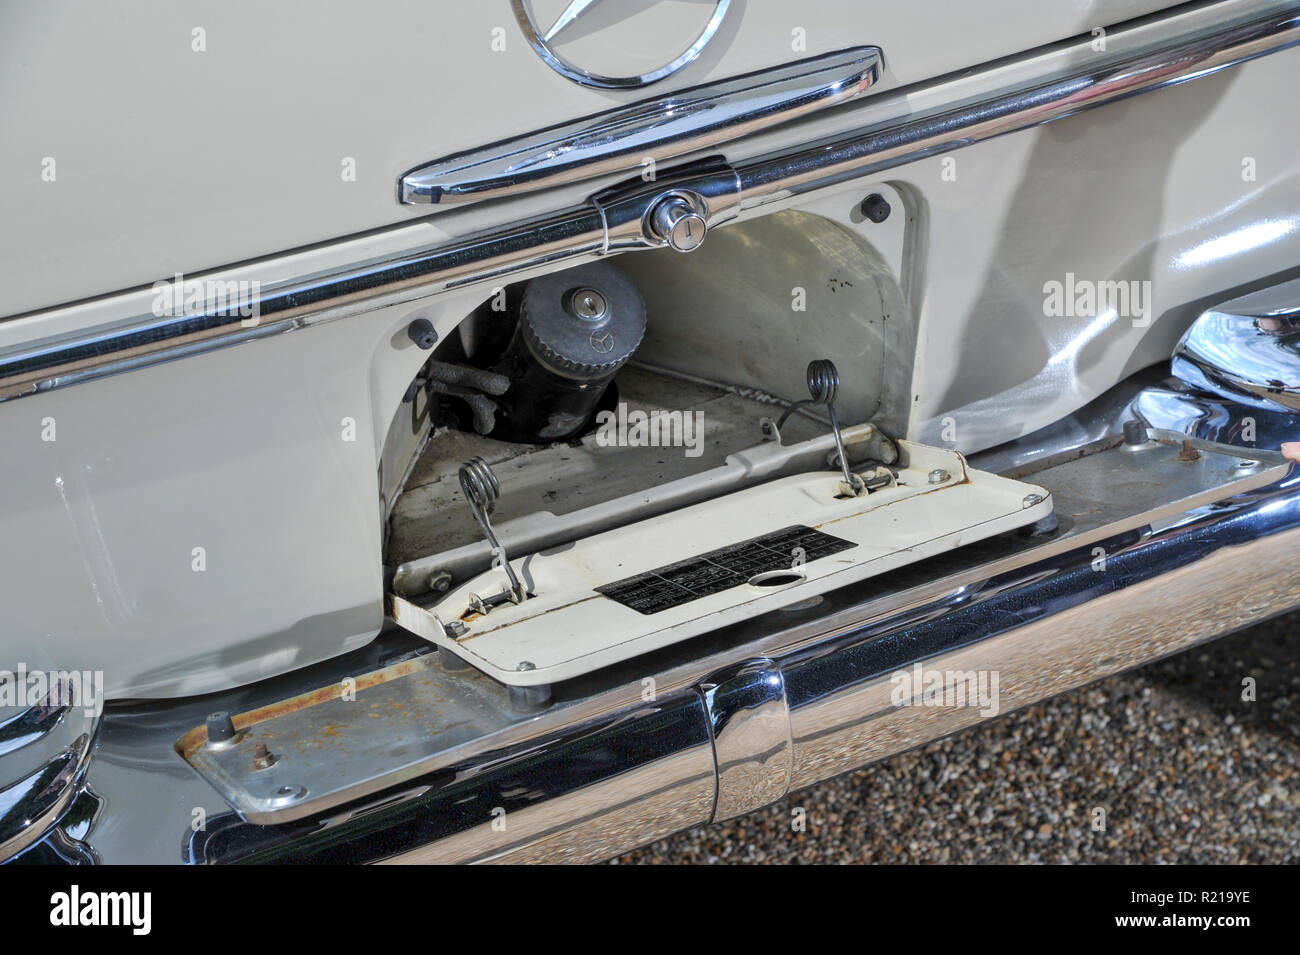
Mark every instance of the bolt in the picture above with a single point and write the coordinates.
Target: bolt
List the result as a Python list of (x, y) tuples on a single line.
[(421, 332), (875, 207), (1188, 453), (939, 475), (263, 758), (1032, 499), (525, 665), (440, 581)]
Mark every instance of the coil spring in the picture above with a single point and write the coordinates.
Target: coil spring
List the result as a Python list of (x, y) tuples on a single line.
[(479, 484), (823, 386), (481, 488), (823, 381)]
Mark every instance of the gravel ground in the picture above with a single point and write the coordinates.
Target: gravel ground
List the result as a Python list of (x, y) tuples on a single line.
[(1185, 769)]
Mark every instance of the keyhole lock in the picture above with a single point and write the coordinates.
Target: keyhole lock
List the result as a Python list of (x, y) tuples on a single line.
[(675, 221)]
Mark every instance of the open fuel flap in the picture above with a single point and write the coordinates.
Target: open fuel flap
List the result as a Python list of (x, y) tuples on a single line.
[(603, 479), (564, 611)]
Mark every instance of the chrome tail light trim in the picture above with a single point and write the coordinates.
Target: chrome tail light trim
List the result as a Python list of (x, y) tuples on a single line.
[(45, 751), (1247, 349)]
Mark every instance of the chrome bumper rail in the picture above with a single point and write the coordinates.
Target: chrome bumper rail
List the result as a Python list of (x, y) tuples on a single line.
[(1051, 85), (1199, 545)]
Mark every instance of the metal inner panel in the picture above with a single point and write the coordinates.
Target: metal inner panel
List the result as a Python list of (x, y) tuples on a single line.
[(761, 298)]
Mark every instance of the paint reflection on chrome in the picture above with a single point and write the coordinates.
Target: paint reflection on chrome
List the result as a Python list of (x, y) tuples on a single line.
[(750, 718), (1247, 350)]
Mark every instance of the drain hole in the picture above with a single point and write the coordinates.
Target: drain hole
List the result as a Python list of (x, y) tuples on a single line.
[(775, 578)]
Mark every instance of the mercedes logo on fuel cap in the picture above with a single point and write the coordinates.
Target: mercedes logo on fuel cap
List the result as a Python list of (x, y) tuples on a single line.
[(597, 42)]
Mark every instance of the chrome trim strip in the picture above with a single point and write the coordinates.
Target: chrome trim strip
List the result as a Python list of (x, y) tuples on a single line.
[(937, 131), (84, 356), (618, 141), (146, 340)]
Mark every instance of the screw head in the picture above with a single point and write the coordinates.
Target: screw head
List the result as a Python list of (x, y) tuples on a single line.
[(939, 475), (1032, 499), (287, 794), (525, 665)]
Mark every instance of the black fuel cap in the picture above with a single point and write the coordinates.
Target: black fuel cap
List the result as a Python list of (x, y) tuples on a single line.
[(583, 323)]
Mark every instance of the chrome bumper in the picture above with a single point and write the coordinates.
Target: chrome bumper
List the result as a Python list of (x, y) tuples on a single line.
[(781, 703)]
